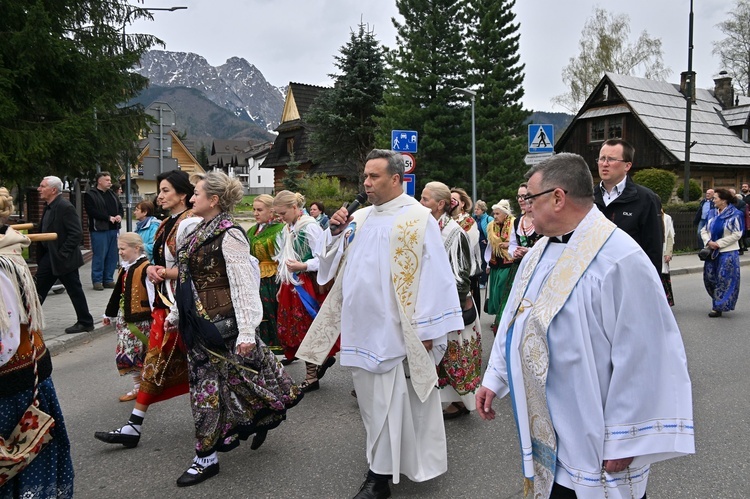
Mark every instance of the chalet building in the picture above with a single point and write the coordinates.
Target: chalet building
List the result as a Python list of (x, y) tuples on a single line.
[(240, 159), (651, 115), (186, 161), (293, 140)]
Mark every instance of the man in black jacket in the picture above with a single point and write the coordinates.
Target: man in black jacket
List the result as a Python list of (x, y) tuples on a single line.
[(61, 259), (632, 207), (105, 213)]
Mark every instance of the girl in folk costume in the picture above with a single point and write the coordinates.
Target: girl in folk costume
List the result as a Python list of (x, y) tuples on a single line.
[(237, 387), (129, 308), (500, 260), (165, 373), (459, 372), (50, 474), (299, 295), (461, 213), (262, 237)]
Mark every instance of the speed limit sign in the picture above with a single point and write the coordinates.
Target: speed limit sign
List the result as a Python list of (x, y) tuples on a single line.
[(409, 162)]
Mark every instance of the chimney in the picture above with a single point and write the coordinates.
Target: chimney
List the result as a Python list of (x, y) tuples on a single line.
[(723, 90), (685, 77)]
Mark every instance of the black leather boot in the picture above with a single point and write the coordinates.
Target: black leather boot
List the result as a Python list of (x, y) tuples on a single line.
[(374, 488)]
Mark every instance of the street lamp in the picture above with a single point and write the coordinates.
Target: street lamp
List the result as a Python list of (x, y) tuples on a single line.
[(473, 96), (128, 196)]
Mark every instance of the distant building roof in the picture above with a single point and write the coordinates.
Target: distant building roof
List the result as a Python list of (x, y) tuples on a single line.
[(660, 107)]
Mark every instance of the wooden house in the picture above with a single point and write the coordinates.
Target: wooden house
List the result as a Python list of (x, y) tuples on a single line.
[(650, 115), (186, 162)]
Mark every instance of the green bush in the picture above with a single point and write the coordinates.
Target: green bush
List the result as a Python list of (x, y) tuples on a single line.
[(326, 190), (674, 207), (660, 181), (695, 191)]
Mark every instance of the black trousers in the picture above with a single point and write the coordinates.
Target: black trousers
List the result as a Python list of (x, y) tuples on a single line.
[(560, 492), (45, 279)]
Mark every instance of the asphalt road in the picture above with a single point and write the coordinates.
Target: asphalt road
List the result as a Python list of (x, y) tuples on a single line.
[(319, 451)]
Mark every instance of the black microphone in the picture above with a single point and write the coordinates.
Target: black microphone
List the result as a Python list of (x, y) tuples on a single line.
[(361, 198)]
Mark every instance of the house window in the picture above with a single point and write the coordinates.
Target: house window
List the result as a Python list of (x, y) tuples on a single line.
[(597, 130), (290, 145), (259, 179), (601, 129)]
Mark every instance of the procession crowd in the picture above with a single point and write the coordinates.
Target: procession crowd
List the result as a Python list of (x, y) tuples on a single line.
[(393, 291)]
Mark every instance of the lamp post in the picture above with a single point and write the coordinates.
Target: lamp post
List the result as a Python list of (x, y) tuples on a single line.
[(689, 108), (473, 96), (128, 196)]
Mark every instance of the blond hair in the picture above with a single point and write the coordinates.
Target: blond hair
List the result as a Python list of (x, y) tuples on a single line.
[(132, 240), (219, 184), (6, 204), (266, 199), (440, 192), (289, 198)]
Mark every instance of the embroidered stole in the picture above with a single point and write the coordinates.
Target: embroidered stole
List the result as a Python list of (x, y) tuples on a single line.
[(406, 242), (587, 240)]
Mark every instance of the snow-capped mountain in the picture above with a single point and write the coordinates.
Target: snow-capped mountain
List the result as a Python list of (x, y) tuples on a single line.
[(236, 85)]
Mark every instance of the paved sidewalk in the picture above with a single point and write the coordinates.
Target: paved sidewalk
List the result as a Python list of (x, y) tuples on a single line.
[(59, 313)]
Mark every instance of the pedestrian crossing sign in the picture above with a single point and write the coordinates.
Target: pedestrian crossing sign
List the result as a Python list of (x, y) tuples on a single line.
[(541, 138)]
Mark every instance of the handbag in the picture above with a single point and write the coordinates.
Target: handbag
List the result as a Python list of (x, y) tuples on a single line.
[(705, 254), (29, 436)]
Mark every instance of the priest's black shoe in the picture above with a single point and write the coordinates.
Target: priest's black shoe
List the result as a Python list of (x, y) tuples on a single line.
[(79, 328), (202, 473), (115, 437), (374, 489)]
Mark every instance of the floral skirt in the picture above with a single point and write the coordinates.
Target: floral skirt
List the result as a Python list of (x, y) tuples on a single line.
[(130, 351), (165, 370), (460, 371), (50, 474), (721, 277), (293, 319), (267, 329), (230, 402)]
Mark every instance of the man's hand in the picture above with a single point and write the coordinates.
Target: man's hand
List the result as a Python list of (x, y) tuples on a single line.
[(427, 344), (341, 218), (616, 465), (484, 398)]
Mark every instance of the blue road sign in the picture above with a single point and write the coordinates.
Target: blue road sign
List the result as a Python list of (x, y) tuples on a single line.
[(404, 141), (410, 184), (541, 138)]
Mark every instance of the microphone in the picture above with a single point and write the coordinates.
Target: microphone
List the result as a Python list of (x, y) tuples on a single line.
[(352, 207)]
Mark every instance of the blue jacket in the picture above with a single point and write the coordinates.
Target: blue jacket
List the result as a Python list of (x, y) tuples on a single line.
[(147, 228)]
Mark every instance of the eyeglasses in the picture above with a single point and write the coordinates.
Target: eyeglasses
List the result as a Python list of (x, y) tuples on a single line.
[(604, 159), (521, 196), (528, 197)]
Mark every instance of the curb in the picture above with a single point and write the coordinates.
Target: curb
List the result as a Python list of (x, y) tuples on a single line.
[(63, 342), (697, 269)]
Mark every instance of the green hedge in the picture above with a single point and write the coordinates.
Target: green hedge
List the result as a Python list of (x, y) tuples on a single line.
[(695, 191), (660, 181)]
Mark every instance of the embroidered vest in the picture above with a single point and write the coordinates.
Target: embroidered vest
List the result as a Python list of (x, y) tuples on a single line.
[(209, 272), (18, 373), (136, 307)]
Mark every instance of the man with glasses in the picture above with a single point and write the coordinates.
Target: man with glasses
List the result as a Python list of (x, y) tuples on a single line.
[(588, 350), (632, 207)]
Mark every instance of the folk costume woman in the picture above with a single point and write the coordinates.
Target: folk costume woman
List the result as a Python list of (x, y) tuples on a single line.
[(129, 308), (299, 295), (460, 369), (50, 474), (460, 203), (500, 261), (237, 387), (263, 236), (666, 279), (523, 236), (165, 373), (721, 272)]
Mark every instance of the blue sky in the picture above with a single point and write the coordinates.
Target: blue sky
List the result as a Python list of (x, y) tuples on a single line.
[(295, 40)]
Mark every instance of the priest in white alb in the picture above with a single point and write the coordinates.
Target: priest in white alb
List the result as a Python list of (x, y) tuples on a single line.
[(588, 350), (390, 305)]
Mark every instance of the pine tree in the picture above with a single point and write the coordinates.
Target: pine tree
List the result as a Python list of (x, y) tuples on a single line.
[(63, 78), (497, 76), (428, 62), (343, 118)]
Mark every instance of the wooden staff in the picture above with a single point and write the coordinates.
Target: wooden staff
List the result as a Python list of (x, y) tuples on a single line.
[(20, 227), (42, 236)]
